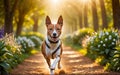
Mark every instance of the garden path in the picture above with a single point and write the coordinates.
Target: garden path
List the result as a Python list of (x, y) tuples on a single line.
[(72, 62)]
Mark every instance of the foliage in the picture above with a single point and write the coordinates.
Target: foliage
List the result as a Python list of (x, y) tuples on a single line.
[(77, 37), (102, 45), (9, 53), (26, 43), (37, 34), (80, 35), (30, 41), (114, 63), (14, 51)]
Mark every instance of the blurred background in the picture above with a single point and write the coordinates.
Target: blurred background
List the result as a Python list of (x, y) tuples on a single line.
[(28, 15), (89, 26)]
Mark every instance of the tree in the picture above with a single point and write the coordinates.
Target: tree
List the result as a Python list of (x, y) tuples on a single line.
[(85, 15), (116, 13), (80, 19), (94, 15), (1, 14), (35, 19), (23, 10), (103, 14), (9, 14)]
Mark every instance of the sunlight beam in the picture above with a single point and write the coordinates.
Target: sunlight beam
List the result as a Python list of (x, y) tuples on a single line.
[(55, 1), (85, 1)]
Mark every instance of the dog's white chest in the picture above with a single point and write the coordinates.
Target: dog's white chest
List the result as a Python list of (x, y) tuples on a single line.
[(49, 52), (53, 50)]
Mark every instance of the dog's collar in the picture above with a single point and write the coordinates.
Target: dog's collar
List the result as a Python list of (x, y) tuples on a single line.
[(53, 41), (50, 42), (55, 49)]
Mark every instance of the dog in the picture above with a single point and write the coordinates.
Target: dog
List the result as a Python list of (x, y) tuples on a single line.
[(52, 46)]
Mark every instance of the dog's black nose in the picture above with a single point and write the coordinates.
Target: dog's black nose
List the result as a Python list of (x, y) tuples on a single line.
[(54, 34)]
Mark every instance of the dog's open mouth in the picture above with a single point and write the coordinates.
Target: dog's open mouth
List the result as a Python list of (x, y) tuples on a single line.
[(54, 39)]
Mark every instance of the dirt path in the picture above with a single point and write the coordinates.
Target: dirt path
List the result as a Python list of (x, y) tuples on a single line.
[(72, 62)]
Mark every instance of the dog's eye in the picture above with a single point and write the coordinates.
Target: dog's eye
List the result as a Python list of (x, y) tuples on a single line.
[(58, 29), (50, 29)]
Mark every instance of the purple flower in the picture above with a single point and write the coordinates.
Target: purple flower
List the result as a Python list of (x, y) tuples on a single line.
[(1, 32)]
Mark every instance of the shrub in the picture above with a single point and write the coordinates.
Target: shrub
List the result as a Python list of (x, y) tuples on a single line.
[(77, 37), (102, 45), (30, 41), (37, 34), (114, 64), (26, 44), (9, 54), (80, 35), (68, 39), (36, 40)]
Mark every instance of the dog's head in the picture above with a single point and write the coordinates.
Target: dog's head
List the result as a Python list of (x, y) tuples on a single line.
[(54, 30)]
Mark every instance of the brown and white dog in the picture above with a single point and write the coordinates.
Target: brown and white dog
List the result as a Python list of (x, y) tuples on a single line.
[(52, 46)]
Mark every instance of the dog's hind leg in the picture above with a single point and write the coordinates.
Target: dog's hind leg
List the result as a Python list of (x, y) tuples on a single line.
[(59, 64)]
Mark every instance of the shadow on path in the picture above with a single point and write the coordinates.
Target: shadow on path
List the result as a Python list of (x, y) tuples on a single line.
[(72, 62)]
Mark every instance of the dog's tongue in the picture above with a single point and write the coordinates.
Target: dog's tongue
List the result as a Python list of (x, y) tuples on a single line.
[(54, 39)]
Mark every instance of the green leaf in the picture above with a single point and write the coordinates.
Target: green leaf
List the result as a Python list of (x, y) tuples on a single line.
[(106, 51), (8, 55), (2, 45), (102, 52), (5, 65), (3, 51)]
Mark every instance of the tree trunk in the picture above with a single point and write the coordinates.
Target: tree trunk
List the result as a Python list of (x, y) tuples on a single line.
[(20, 25), (95, 16), (85, 16), (116, 13), (9, 13), (103, 14), (80, 19), (8, 18), (35, 26), (35, 19)]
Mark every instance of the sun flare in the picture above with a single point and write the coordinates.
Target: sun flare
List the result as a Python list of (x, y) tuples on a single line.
[(55, 1)]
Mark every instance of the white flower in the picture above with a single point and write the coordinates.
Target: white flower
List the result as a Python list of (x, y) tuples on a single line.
[(100, 36), (114, 39), (104, 45), (98, 46), (101, 32), (107, 33), (116, 34), (113, 43), (106, 39), (101, 41), (110, 37)]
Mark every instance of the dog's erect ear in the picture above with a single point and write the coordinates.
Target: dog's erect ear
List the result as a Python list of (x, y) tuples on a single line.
[(48, 21), (60, 20)]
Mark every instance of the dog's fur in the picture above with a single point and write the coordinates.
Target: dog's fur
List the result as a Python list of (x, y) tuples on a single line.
[(52, 46)]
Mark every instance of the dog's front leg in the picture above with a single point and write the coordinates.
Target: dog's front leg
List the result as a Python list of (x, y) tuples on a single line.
[(57, 59), (51, 72), (59, 64), (48, 62)]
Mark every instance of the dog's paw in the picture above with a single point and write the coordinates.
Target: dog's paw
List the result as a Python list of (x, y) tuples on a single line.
[(59, 66), (52, 68), (51, 72)]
